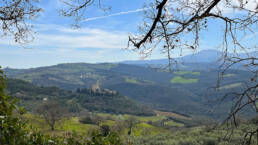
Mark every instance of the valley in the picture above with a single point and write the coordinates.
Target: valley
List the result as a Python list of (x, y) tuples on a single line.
[(144, 104), (128, 72), (186, 91)]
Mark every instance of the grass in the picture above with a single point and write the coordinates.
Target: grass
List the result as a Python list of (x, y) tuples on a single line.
[(182, 80), (144, 133), (187, 72), (173, 124), (131, 80), (139, 118), (143, 129), (108, 122), (229, 75), (65, 125), (231, 86), (73, 124), (171, 114)]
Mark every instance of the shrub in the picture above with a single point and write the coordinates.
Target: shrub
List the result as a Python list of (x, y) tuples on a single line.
[(86, 120), (105, 129)]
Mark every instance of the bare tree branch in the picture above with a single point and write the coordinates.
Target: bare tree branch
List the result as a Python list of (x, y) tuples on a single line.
[(14, 17)]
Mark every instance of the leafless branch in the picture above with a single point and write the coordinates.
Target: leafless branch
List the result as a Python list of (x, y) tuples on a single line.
[(14, 17)]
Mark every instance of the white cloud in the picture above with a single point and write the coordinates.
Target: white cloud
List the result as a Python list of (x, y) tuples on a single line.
[(95, 39), (67, 38), (58, 44)]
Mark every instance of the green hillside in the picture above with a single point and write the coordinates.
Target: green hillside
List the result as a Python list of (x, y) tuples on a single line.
[(187, 92), (93, 100)]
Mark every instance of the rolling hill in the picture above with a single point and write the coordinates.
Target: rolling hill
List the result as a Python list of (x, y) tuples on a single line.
[(98, 100), (186, 91)]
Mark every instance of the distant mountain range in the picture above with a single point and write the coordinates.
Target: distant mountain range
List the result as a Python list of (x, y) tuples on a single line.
[(207, 56), (205, 59), (186, 91)]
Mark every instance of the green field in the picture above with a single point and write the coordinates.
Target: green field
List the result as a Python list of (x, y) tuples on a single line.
[(229, 75), (182, 80), (231, 86), (186, 73), (131, 80)]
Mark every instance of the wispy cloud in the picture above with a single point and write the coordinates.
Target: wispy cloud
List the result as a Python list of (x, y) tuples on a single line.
[(64, 44), (115, 14), (68, 38)]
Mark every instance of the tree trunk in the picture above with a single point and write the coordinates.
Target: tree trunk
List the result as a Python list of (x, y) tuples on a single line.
[(52, 127)]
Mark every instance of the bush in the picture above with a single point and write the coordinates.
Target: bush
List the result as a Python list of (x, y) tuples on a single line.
[(91, 119), (86, 120), (105, 129)]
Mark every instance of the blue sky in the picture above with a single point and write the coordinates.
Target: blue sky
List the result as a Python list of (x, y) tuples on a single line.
[(99, 39)]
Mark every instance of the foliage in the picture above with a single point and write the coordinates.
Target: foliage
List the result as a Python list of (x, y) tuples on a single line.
[(11, 125), (13, 132), (197, 136), (153, 88), (103, 100), (87, 120), (52, 112), (91, 119)]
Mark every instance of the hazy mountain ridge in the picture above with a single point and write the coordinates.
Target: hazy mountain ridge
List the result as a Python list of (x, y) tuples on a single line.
[(208, 56), (205, 59)]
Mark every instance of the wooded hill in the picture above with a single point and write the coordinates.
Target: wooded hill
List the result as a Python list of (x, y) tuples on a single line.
[(186, 91), (99, 100)]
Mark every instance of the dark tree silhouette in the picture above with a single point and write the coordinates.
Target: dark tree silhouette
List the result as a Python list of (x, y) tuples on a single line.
[(14, 17)]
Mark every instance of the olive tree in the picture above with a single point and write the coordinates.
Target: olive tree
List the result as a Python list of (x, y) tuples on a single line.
[(52, 112)]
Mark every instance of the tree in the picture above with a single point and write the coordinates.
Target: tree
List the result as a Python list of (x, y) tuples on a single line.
[(11, 126), (131, 122), (52, 112), (15, 16), (105, 130), (167, 24)]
